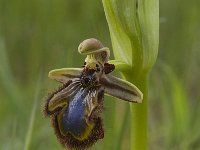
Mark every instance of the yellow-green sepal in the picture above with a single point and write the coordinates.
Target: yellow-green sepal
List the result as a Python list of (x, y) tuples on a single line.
[(63, 75)]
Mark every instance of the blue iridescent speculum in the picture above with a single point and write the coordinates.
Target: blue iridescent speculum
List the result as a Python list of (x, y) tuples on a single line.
[(75, 108)]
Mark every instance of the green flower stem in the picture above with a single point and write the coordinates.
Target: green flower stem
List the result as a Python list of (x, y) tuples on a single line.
[(139, 116)]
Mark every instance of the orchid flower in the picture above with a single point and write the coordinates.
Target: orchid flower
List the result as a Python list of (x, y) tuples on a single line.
[(75, 108)]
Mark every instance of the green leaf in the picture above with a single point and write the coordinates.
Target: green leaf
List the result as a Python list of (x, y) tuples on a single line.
[(134, 30), (148, 13)]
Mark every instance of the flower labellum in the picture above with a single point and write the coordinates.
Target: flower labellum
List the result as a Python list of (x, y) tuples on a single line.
[(75, 108)]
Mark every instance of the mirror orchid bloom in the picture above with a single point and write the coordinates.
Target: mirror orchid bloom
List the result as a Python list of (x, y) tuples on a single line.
[(75, 108)]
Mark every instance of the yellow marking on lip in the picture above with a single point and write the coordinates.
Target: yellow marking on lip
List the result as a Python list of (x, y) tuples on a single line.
[(86, 133), (54, 105)]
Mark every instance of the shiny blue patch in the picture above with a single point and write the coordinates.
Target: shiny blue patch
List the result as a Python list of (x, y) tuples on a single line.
[(73, 120)]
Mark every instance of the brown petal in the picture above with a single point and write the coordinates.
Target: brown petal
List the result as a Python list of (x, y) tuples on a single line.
[(121, 89)]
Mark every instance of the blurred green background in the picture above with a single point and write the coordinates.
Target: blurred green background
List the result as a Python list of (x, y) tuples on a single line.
[(37, 36)]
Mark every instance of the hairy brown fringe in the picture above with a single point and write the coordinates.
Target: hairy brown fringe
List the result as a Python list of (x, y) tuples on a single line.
[(68, 141)]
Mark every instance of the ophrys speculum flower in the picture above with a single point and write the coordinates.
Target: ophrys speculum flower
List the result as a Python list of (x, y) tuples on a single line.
[(75, 108)]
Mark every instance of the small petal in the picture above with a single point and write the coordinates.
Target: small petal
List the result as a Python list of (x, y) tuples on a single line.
[(65, 74), (121, 89)]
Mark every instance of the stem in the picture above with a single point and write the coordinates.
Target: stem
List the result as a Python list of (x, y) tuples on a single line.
[(139, 116)]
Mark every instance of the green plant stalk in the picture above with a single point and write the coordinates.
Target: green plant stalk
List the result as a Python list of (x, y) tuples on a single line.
[(139, 116)]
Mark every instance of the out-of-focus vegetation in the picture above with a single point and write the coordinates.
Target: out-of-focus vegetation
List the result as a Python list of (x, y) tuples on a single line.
[(38, 36)]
